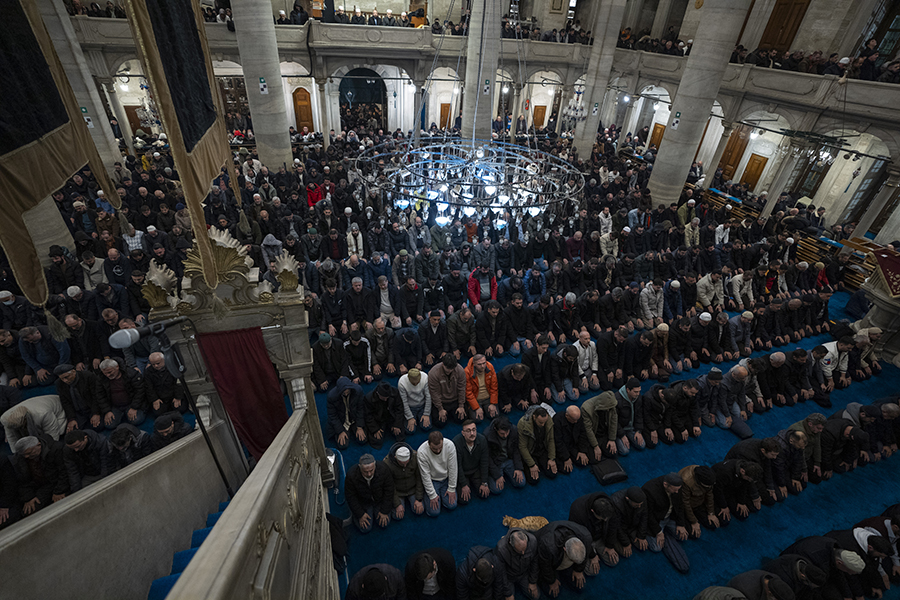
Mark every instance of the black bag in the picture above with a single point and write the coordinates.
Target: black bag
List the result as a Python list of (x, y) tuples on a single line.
[(608, 471)]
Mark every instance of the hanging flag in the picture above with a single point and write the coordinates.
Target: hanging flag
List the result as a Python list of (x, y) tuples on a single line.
[(182, 82), (45, 142)]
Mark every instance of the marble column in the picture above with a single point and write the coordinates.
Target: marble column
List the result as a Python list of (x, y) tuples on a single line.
[(632, 16), (891, 229), (483, 50), (697, 92), (660, 19), (516, 106), (75, 65), (259, 59), (787, 166), (606, 34), (109, 86), (323, 113)]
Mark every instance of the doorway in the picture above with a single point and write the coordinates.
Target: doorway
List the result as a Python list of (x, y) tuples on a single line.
[(363, 100), (784, 23), (540, 113), (734, 151), (754, 170), (445, 116), (656, 137), (303, 109)]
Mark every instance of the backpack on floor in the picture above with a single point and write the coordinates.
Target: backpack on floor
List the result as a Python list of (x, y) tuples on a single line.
[(608, 471)]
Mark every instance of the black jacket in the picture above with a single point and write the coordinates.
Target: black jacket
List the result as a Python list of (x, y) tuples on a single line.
[(382, 416), (134, 387), (92, 460), (82, 396), (338, 413), (161, 385), (658, 503), (88, 343), (731, 489), (500, 450), (395, 589), (551, 548), (476, 461), (329, 362), (540, 367), (446, 574), (434, 342), (752, 450), (469, 587), (511, 390), (605, 532), (141, 445), (819, 551), (570, 438), (632, 521), (518, 566), (157, 441), (377, 494), (491, 332), (53, 477)]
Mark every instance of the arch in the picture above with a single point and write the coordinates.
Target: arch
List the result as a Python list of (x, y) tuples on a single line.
[(362, 97), (888, 137), (444, 98), (747, 109), (542, 90)]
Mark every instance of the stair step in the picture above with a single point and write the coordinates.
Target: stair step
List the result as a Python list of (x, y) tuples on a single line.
[(224, 505), (181, 559), (199, 536), (161, 587), (212, 518)]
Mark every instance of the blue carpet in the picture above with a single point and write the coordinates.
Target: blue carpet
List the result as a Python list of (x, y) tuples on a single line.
[(715, 557)]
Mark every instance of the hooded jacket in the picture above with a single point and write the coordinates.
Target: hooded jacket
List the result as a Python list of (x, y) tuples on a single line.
[(601, 419), (343, 417)]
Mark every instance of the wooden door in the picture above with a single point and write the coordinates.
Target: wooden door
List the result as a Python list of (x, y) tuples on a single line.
[(133, 120), (783, 25), (656, 137), (303, 109), (445, 116), (754, 170), (540, 113), (734, 151)]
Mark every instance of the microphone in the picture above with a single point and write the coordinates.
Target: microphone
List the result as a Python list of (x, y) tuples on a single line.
[(125, 338)]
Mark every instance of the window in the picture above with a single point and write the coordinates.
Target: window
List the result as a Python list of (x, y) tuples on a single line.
[(864, 193)]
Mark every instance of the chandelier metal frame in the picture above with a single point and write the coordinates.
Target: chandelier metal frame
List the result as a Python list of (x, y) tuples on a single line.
[(475, 174)]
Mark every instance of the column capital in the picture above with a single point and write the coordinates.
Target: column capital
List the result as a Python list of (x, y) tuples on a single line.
[(893, 179)]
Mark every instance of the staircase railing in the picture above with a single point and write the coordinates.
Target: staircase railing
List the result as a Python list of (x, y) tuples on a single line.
[(272, 541)]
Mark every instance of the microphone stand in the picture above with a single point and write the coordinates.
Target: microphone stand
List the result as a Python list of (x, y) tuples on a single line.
[(176, 367)]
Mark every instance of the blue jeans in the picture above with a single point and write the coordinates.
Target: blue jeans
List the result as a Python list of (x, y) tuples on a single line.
[(570, 392), (622, 450), (372, 520), (440, 487), (418, 412), (121, 416), (513, 352), (508, 468), (738, 427), (407, 502)]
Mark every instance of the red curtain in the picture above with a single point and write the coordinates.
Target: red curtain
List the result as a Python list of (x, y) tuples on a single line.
[(247, 383)]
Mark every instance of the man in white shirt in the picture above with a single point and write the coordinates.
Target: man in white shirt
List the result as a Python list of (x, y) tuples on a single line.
[(439, 468), (416, 397)]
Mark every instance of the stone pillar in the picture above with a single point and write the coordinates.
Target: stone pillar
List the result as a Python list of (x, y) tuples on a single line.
[(788, 163), (606, 34), (696, 93), (259, 59), (756, 23), (891, 229), (660, 19), (323, 113), (516, 106), (417, 111), (632, 16), (59, 26), (109, 85), (483, 46)]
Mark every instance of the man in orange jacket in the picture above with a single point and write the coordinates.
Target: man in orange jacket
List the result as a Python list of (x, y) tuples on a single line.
[(481, 388)]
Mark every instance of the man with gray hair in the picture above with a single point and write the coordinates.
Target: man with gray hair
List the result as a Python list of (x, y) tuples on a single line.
[(565, 552), (369, 487), (41, 472), (518, 552), (124, 392), (39, 416)]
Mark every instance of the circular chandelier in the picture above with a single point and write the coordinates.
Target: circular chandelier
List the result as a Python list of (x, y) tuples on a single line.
[(471, 176)]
